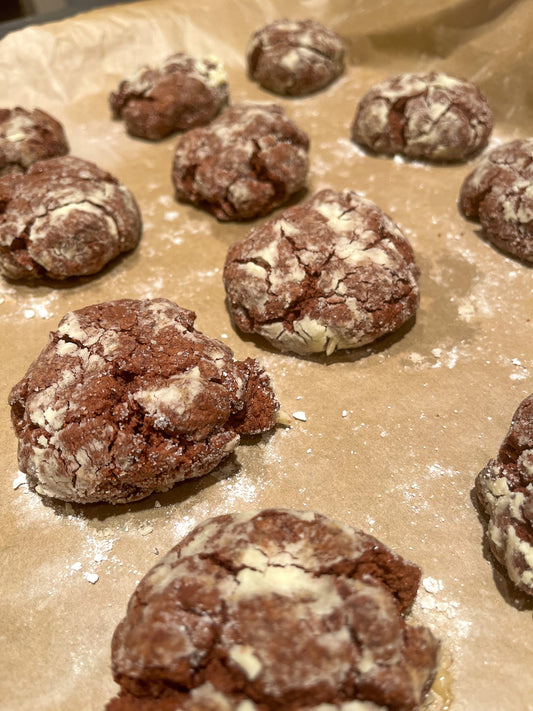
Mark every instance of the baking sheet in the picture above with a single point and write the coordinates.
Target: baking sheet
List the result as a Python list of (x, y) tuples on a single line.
[(393, 434)]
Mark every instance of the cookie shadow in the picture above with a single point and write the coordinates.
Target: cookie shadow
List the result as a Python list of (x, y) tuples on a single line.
[(512, 595)]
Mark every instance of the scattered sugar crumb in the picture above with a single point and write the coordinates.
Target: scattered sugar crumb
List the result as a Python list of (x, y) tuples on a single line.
[(76, 566), (432, 585), (19, 480), (299, 415), (91, 578)]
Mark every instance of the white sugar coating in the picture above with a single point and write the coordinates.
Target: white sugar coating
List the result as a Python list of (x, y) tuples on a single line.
[(243, 656), (17, 127), (177, 395)]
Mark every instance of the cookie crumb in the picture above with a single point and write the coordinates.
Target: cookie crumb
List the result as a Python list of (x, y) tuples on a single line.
[(19, 480)]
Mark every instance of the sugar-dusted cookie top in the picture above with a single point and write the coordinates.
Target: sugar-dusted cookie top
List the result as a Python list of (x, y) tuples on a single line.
[(28, 136), (499, 194), (332, 273), (504, 488), (428, 116), (65, 217), (244, 164), (176, 95), (295, 57), (129, 398), (276, 610)]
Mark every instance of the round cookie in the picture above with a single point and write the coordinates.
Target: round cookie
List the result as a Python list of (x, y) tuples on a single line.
[(331, 273), (28, 136), (276, 610), (64, 218), (128, 398), (181, 93), (430, 116), (504, 487), (499, 194), (295, 57), (247, 162)]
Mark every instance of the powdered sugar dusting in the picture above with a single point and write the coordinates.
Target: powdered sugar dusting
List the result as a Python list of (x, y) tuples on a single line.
[(444, 615)]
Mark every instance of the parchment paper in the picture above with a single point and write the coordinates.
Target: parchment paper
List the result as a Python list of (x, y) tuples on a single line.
[(393, 434)]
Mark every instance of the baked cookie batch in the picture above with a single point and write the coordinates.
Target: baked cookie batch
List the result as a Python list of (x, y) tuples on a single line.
[(278, 609)]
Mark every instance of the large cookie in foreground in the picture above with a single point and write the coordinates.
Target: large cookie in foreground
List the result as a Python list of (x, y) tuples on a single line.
[(179, 94), (276, 610), (295, 57), (429, 116), (499, 194), (504, 488), (332, 273), (247, 162), (65, 217), (28, 136), (128, 398)]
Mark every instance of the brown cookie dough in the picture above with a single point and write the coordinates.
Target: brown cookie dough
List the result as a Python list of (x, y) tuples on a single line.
[(247, 162), (430, 116), (295, 57), (331, 273), (181, 93), (128, 398), (276, 610), (499, 194), (64, 218), (504, 488), (28, 136)]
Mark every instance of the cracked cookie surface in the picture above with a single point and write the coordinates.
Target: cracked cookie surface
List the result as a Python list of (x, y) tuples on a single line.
[(27, 137), (430, 116), (295, 57), (276, 610), (64, 218), (499, 194), (247, 162), (332, 273), (179, 94), (128, 398), (504, 488)]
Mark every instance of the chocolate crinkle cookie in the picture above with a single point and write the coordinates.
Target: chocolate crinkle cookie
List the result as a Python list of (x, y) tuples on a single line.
[(430, 116), (181, 93), (128, 398), (276, 610), (28, 136), (499, 194), (64, 218), (504, 487), (247, 162), (295, 57), (332, 273)]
